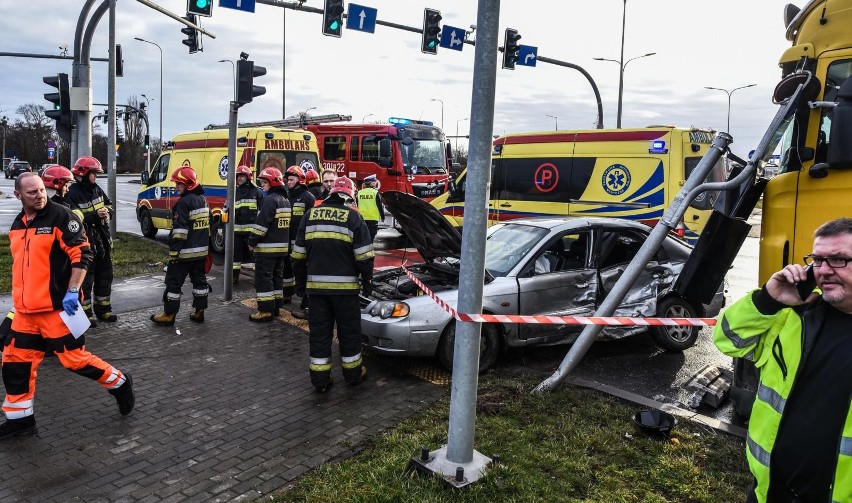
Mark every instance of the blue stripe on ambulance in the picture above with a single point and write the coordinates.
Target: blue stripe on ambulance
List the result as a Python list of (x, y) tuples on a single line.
[(654, 182)]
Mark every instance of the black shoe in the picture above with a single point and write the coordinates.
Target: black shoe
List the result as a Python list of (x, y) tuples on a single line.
[(18, 427), (93, 321), (324, 387), (197, 316), (362, 378), (301, 314), (108, 317), (124, 395), (276, 312)]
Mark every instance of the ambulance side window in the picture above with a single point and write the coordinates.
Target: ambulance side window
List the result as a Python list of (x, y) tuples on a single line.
[(161, 171), (334, 148)]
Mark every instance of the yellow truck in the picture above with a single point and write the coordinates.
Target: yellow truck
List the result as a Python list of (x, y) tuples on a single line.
[(207, 153), (625, 173)]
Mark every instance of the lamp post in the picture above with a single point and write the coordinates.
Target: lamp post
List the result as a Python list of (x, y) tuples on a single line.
[(303, 116), (442, 111), (729, 93), (556, 121), (4, 123), (456, 156), (233, 75), (161, 81), (364, 119), (621, 78)]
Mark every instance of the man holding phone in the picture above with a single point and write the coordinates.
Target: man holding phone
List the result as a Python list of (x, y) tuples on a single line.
[(799, 444)]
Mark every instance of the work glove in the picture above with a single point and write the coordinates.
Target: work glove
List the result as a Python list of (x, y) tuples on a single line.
[(71, 302)]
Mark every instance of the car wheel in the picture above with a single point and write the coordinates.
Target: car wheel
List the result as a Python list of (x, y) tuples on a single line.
[(675, 338), (217, 237), (147, 225), (489, 346)]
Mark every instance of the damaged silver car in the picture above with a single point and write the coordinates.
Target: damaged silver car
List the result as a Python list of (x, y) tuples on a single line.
[(544, 266)]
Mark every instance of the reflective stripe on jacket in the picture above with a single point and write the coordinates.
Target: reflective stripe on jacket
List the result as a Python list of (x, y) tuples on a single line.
[(301, 200), (270, 234), (368, 204), (190, 236), (332, 251), (774, 342), (248, 199)]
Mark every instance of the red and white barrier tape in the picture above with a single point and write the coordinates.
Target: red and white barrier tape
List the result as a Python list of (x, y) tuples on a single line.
[(562, 320)]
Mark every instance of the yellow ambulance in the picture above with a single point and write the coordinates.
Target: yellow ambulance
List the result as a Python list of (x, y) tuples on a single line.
[(624, 173), (207, 153)]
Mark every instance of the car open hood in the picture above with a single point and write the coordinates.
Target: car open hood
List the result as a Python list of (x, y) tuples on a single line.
[(423, 224)]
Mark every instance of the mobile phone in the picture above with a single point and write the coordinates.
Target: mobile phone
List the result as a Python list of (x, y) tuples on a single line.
[(807, 286)]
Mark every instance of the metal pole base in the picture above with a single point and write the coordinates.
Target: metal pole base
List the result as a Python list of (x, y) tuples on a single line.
[(457, 475)]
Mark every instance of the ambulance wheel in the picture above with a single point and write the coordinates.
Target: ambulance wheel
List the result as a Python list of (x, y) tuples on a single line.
[(675, 338), (217, 238), (147, 224), (489, 346)]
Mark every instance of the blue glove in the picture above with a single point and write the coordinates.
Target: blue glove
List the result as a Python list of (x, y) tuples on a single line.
[(71, 302)]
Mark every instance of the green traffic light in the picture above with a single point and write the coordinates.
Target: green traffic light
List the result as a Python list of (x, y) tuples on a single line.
[(201, 4), (334, 25), (432, 44)]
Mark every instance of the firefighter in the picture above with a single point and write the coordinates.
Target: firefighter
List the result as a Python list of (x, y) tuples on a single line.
[(300, 201), (248, 200), (312, 181), (332, 250), (49, 258), (188, 249), (57, 180), (270, 242), (370, 205), (94, 208)]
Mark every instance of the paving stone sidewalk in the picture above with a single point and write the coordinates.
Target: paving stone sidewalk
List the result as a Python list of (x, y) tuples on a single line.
[(224, 412)]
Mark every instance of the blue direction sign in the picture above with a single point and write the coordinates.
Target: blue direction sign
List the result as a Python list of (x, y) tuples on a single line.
[(51, 153), (243, 5), (452, 38), (527, 55), (361, 18)]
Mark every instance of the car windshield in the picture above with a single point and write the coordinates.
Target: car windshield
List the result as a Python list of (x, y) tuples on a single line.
[(423, 157), (508, 244)]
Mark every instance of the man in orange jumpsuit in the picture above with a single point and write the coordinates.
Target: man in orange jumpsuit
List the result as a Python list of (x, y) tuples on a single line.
[(50, 253)]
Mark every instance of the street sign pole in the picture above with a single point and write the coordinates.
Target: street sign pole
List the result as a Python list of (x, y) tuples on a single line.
[(230, 201)]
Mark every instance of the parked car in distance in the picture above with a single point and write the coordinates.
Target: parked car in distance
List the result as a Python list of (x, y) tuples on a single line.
[(16, 168), (44, 167), (559, 266)]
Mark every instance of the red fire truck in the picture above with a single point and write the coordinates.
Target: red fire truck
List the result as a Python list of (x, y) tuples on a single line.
[(407, 155)]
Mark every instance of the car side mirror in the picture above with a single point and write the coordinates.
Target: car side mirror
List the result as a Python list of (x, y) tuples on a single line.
[(145, 177)]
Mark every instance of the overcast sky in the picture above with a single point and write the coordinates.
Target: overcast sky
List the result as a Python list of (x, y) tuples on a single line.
[(723, 43)]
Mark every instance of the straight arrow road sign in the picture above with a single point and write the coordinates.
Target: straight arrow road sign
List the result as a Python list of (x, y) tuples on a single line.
[(243, 5), (361, 18)]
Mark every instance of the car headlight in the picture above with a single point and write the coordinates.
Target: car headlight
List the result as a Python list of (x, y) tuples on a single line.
[(389, 309)]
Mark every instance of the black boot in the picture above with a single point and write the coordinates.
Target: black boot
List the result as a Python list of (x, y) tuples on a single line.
[(18, 427), (197, 316), (124, 395)]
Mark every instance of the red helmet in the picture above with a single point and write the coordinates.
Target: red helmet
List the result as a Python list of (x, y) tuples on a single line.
[(273, 176), (311, 176), (244, 170), (296, 171), (185, 175), (86, 165), (56, 176), (343, 185)]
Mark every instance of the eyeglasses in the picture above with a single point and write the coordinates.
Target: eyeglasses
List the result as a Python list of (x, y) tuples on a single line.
[(833, 262)]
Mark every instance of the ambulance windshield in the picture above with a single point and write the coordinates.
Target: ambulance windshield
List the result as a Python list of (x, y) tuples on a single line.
[(283, 159)]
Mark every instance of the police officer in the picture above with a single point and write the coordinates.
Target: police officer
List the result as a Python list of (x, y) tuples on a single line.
[(247, 201), (188, 248), (301, 200), (270, 241), (312, 180), (370, 205), (332, 250), (94, 208), (57, 180)]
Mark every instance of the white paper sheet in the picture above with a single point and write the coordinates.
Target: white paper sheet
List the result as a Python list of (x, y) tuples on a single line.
[(77, 323)]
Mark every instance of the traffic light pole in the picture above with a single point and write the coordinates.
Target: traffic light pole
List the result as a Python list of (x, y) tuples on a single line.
[(228, 287), (111, 132)]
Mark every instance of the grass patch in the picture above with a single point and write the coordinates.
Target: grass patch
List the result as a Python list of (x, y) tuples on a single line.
[(131, 256), (572, 444)]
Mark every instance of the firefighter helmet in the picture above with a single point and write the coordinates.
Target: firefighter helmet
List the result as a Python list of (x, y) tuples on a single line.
[(273, 176), (242, 169), (86, 165), (185, 175), (56, 177), (311, 176), (297, 172), (344, 186)]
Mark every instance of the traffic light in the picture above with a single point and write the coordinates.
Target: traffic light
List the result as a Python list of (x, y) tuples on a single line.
[(510, 49), (200, 7), (193, 37), (332, 18), (431, 30), (147, 142), (119, 62), (246, 72), (60, 111)]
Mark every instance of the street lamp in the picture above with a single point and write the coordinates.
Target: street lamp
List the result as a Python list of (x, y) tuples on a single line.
[(621, 79), (442, 111), (556, 121), (233, 75), (364, 119), (729, 93), (457, 136), (161, 82), (4, 123)]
